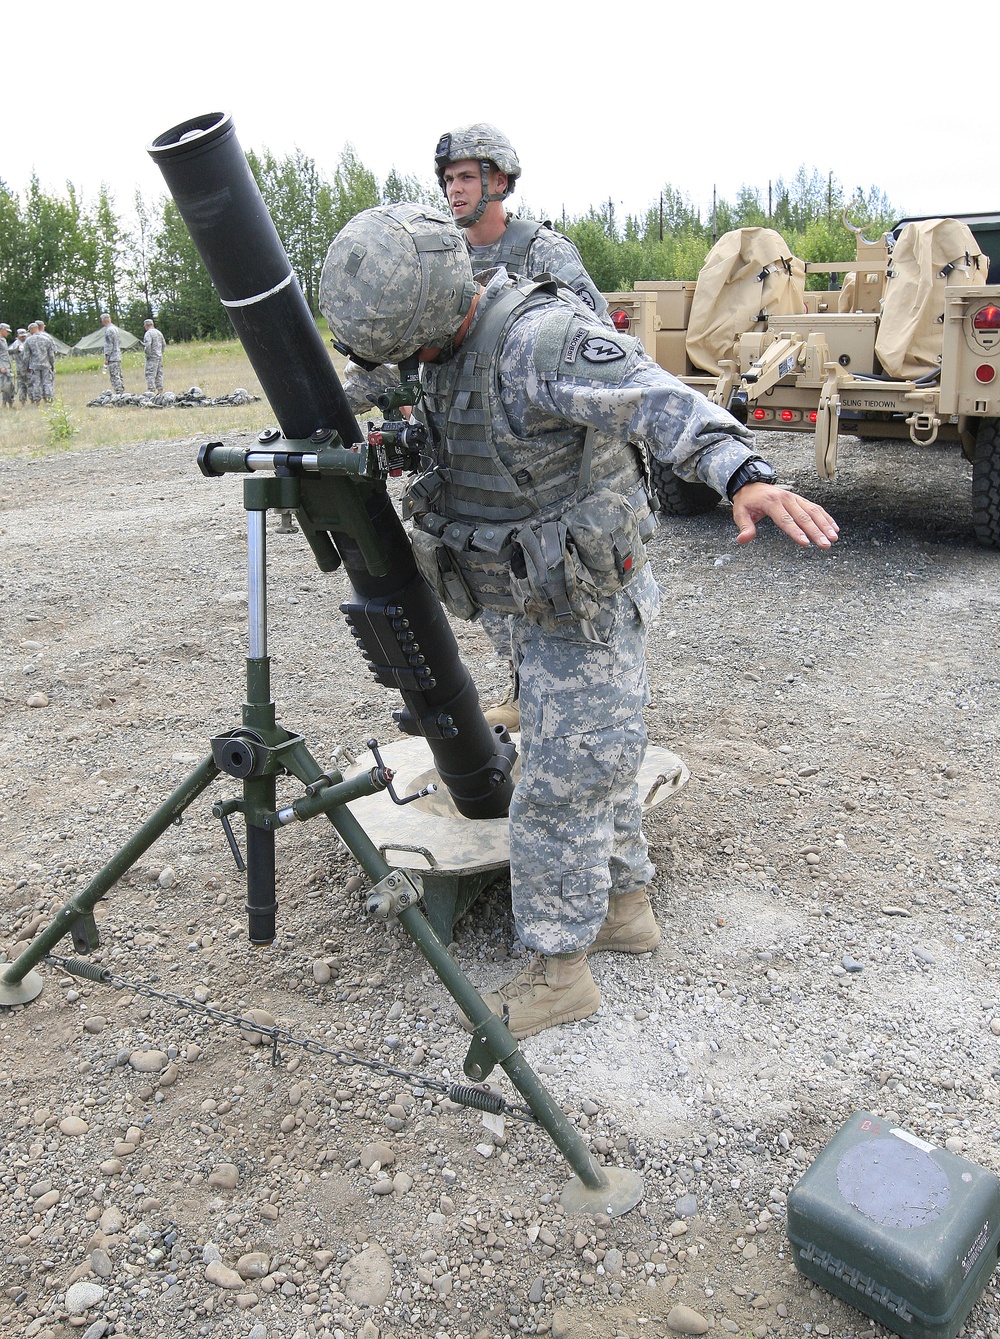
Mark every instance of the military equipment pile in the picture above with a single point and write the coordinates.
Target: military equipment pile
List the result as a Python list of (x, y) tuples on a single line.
[(195, 398)]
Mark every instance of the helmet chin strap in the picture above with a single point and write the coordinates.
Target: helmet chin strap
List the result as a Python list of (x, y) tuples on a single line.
[(485, 198)]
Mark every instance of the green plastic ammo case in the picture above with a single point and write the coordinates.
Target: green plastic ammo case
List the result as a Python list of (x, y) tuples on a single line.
[(906, 1232)]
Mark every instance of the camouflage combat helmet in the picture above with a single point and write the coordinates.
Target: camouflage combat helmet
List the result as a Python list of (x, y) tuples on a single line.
[(489, 147), (396, 279)]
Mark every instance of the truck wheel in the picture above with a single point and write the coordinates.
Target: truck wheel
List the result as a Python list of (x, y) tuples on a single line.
[(986, 484), (677, 496)]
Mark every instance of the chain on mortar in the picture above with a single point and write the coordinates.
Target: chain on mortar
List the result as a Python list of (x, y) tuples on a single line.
[(466, 1095)]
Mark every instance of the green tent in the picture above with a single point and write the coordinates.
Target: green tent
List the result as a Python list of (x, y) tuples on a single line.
[(94, 342)]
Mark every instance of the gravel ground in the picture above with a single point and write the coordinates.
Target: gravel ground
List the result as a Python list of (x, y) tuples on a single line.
[(827, 887)]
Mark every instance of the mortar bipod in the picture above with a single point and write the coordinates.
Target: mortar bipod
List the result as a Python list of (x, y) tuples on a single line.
[(256, 754)]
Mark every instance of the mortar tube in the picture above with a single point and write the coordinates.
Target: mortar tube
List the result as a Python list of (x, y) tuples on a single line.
[(210, 180)]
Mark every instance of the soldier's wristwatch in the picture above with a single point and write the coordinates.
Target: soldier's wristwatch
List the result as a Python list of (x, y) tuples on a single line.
[(752, 471)]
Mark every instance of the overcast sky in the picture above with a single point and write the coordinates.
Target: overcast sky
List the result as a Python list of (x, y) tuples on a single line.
[(610, 105)]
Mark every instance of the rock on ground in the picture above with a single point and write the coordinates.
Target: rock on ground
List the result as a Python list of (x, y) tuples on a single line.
[(827, 887)]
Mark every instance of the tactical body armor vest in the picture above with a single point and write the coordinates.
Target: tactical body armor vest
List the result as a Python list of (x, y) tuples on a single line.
[(488, 487), (515, 244)]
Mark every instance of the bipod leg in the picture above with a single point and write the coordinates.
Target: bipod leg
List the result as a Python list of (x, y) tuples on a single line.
[(19, 984), (594, 1189)]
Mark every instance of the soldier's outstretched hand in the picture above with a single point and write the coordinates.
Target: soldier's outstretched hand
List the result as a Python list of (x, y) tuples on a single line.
[(803, 521)]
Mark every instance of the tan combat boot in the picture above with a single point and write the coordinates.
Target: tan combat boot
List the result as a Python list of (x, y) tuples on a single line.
[(505, 713), (629, 927), (549, 991)]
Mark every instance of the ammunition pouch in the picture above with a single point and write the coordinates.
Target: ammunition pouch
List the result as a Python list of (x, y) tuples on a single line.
[(563, 571), (467, 567), (555, 573)]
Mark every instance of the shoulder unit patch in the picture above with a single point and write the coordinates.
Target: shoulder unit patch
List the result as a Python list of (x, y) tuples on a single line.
[(599, 349)]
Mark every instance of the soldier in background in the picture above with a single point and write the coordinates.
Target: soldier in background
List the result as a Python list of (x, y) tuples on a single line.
[(49, 367), (153, 342), (536, 504), (17, 349), (6, 379), (477, 169), (36, 357), (113, 354)]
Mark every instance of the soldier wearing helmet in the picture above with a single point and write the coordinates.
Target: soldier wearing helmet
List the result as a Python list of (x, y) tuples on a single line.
[(477, 169), (21, 363), (6, 379), (534, 505)]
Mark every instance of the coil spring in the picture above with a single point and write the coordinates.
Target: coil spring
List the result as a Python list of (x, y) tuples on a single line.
[(89, 970), (477, 1098)]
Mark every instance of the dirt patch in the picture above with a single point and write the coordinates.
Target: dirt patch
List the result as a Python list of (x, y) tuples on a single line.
[(827, 884)]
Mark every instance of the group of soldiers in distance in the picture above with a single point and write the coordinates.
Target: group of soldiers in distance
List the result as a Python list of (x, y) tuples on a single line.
[(34, 358), (28, 364)]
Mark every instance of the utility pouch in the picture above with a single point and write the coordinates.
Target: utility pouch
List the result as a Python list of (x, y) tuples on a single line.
[(421, 493), (549, 583), (436, 565), (604, 530)]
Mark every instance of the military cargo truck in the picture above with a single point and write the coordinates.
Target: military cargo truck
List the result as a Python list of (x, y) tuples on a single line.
[(908, 346)]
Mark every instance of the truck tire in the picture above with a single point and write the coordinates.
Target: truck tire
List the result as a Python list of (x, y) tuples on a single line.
[(677, 496), (986, 484)]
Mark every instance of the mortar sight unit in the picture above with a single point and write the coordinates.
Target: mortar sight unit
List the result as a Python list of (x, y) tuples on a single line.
[(329, 474)]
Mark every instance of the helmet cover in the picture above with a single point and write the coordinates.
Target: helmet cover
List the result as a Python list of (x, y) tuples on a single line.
[(397, 278)]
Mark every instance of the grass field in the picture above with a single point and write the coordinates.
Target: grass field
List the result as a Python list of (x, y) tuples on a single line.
[(218, 367)]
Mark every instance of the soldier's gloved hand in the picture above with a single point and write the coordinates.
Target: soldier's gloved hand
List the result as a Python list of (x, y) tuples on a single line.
[(803, 521)]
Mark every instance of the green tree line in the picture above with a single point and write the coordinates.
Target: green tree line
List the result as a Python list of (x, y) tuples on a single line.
[(67, 261), (671, 239)]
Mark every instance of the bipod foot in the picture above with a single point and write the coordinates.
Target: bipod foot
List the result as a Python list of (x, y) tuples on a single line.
[(20, 992), (623, 1191)]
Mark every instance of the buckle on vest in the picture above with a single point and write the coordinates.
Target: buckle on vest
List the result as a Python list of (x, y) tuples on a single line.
[(493, 538), (457, 536), (624, 555)]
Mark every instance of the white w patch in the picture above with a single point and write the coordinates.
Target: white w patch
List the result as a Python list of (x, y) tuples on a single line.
[(599, 350)]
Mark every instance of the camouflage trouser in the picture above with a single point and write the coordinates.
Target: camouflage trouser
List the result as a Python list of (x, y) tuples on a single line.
[(48, 382), (35, 384), (115, 373), (22, 386), (576, 817), (154, 373), (6, 387)]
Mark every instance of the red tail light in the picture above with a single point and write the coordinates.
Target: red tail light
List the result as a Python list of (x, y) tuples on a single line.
[(760, 414), (787, 416), (812, 416), (985, 373), (621, 320), (987, 318)]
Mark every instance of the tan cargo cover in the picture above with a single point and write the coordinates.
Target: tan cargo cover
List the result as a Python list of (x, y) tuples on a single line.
[(749, 272), (927, 257)]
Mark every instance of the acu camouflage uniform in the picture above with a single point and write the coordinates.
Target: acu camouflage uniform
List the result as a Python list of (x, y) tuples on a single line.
[(6, 379), (526, 249), (36, 358), (113, 357), (48, 369), (153, 343), (552, 372), (529, 248), (21, 363)]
